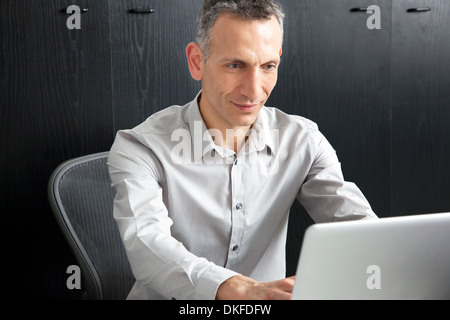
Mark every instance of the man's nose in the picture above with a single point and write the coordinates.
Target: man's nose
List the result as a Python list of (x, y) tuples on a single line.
[(252, 84)]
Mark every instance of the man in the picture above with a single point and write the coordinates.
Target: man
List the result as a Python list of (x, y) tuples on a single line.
[(204, 190)]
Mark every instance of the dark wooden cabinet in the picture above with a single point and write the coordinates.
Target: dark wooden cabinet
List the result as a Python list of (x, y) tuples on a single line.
[(55, 104), (420, 95), (335, 71), (382, 98), (65, 93), (149, 66)]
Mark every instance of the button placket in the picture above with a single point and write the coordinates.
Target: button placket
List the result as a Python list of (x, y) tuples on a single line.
[(238, 216)]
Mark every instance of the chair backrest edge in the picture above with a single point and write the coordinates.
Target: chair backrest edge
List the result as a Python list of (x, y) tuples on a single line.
[(89, 273)]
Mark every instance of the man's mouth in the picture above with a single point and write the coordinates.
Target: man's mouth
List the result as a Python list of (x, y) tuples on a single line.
[(246, 107)]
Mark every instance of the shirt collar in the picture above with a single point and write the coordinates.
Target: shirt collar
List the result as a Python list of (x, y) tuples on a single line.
[(260, 136)]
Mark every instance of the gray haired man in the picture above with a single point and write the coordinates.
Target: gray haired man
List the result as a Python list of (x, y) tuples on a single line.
[(213, 226)]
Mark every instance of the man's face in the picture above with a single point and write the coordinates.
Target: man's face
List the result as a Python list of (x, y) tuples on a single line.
[(241, 71)]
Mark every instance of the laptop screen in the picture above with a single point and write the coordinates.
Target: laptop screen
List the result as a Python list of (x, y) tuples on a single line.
[(405, 257)]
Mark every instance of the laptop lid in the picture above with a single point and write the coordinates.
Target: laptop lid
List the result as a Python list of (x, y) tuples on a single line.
[(405, 257)]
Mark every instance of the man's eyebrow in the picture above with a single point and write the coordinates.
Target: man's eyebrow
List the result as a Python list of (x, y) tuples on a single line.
[(231, 60)]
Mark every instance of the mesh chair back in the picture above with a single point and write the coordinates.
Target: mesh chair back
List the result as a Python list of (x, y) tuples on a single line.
[(81, 197)]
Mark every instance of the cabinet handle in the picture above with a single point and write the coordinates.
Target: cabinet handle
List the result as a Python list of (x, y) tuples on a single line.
[(418, 10), (141, 11), (84, 10), (358, 10)]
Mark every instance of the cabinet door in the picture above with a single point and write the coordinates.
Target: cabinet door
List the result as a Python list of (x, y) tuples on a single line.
[(420, 107), (335, 71), (149, 64), (55, 103)]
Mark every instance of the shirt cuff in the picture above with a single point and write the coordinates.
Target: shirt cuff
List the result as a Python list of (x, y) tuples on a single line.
[(211, 280)]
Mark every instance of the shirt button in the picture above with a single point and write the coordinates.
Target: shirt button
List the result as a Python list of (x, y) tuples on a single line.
[(235, 247), (239, 206)]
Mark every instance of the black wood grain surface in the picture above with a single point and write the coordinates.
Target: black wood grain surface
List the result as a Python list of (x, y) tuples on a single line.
[(56, 103), (421, 107), (149, 66), (335, 71)]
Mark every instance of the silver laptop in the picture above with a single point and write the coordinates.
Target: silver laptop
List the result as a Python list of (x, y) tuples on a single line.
[(400, 258)]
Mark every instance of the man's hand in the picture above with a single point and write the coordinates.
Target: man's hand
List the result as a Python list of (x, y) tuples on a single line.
[(244, 288)]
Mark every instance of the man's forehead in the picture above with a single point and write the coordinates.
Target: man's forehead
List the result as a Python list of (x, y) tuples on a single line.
[(235, 33)]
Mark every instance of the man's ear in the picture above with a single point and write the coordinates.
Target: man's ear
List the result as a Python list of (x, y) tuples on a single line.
[(195, 60)]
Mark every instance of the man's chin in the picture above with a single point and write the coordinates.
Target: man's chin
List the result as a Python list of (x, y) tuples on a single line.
[(245, 121)]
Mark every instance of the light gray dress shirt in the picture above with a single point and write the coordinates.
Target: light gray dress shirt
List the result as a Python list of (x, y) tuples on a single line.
[(192, 214)]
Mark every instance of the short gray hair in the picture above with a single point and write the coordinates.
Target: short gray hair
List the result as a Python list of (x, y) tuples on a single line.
[(246, 9)]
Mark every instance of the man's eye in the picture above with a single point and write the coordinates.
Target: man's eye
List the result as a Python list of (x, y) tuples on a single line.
[(270, 67), (234, 66)]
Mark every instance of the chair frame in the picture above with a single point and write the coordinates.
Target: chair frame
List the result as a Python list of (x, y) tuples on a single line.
[(93, 286)]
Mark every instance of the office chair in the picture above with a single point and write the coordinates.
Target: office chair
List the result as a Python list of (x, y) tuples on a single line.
[(81, 198)]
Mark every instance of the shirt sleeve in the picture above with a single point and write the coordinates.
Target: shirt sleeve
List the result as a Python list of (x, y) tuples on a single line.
[(158, 261), (325, 194)]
